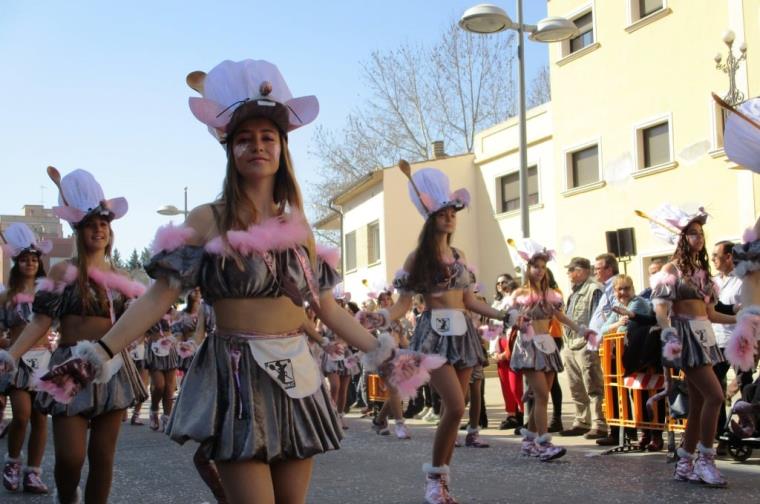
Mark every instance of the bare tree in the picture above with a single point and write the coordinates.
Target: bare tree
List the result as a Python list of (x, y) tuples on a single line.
[(448, 92), (539, 91)]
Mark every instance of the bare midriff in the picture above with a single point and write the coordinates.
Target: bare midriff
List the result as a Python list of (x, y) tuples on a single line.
[(541, 326), (259, 315), (75, 328), (445, 300), (16, 331), (690, 308), (751, 289)]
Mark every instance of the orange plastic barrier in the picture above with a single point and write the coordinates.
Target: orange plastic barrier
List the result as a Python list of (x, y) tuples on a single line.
[(376, 389), (628, 391)]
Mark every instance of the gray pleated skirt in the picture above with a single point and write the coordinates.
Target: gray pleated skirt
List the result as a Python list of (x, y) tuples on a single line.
[(184, 363), (248, 416), (154, 362), (526, 356), (123, 390), (20, 380), (694, 353), (463, 351)]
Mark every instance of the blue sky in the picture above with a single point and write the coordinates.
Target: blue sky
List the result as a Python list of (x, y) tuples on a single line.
[(101, 86)]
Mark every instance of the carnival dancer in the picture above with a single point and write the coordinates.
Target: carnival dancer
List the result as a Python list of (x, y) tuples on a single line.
[(26, 253), (253, 396), (85, 295), (684, 297), (187, 325), (393, 405), (535, 351), (439, 272), (334, 365), (162, 361), (137, 351)]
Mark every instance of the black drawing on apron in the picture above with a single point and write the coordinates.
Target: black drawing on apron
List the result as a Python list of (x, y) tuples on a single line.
[(32, 363), (443, 325), (284, 370)]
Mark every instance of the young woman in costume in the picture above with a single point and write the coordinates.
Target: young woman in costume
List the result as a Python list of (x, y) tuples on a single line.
[(684, 297), (535, 351), (15, 313), (439, 272), (137, 350), (85, 295), (162, 361), (253, 396)]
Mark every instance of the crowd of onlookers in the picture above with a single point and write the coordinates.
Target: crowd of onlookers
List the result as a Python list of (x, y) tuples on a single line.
[(601, 298)]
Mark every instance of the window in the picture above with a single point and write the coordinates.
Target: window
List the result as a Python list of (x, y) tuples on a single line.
[(373, 242), (653, 144), (350, 251), (585, 37), (583, 167), (643, 8), (656, 144), (510, 189)]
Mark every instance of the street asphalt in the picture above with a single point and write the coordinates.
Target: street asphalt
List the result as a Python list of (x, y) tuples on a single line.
[(378, 469)]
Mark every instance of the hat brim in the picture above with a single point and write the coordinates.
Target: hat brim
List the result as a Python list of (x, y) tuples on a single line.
[(112, 209), (288, 116)]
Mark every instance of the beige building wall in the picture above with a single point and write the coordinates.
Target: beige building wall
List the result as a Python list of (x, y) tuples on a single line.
[(634, 74)]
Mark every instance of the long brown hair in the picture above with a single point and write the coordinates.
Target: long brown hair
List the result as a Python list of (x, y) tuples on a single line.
[(683, 257), (233, 201), (16, 280), (83, 280), (543, 286), (426, 263)]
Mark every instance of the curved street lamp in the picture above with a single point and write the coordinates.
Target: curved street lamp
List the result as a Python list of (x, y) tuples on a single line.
[(489, 18), (173, 210)]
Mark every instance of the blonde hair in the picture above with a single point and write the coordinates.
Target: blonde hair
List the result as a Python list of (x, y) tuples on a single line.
[(622, 280)]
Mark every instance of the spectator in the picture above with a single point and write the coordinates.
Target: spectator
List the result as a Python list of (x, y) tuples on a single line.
[(654, 268), (501, 349), (728, 303), (633, 315), (584, 371)]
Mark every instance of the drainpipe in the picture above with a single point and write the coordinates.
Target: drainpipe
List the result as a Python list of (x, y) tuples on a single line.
[(339, 210)]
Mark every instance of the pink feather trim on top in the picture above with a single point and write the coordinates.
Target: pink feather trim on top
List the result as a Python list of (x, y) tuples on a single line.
[(117, 282), (662, 278), (553, 296), (330, 255), (276, 233), (171, 237), (22, 298)]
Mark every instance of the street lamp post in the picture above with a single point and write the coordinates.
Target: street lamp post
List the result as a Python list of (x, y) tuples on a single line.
[(172, 210), (730, 67), (488, 18)]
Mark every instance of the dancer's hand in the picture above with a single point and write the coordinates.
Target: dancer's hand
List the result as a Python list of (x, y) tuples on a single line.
[(7, 363), (374, 320)]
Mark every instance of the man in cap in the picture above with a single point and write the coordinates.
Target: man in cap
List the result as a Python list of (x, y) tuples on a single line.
[(584, 371)]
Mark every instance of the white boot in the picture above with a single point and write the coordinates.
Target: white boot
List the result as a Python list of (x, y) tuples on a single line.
[(437, 485)]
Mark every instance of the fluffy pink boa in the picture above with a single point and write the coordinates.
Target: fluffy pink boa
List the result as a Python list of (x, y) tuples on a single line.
[(109, 280), (276, 233)]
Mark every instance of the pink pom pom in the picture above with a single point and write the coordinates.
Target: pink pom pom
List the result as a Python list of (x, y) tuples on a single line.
[(60, 393), (741, 347), (186, 349), (672, 350), (412, 370), (171, 237), (330, 255), (488, 333)]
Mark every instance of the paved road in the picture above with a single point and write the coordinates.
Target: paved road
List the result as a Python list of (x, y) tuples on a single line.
[(373, 469)]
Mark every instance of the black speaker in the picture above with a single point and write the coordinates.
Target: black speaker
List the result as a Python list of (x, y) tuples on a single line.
[(612, 243), (626, 240)]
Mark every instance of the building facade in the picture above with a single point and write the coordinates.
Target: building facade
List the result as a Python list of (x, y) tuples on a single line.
[(631, 125)]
